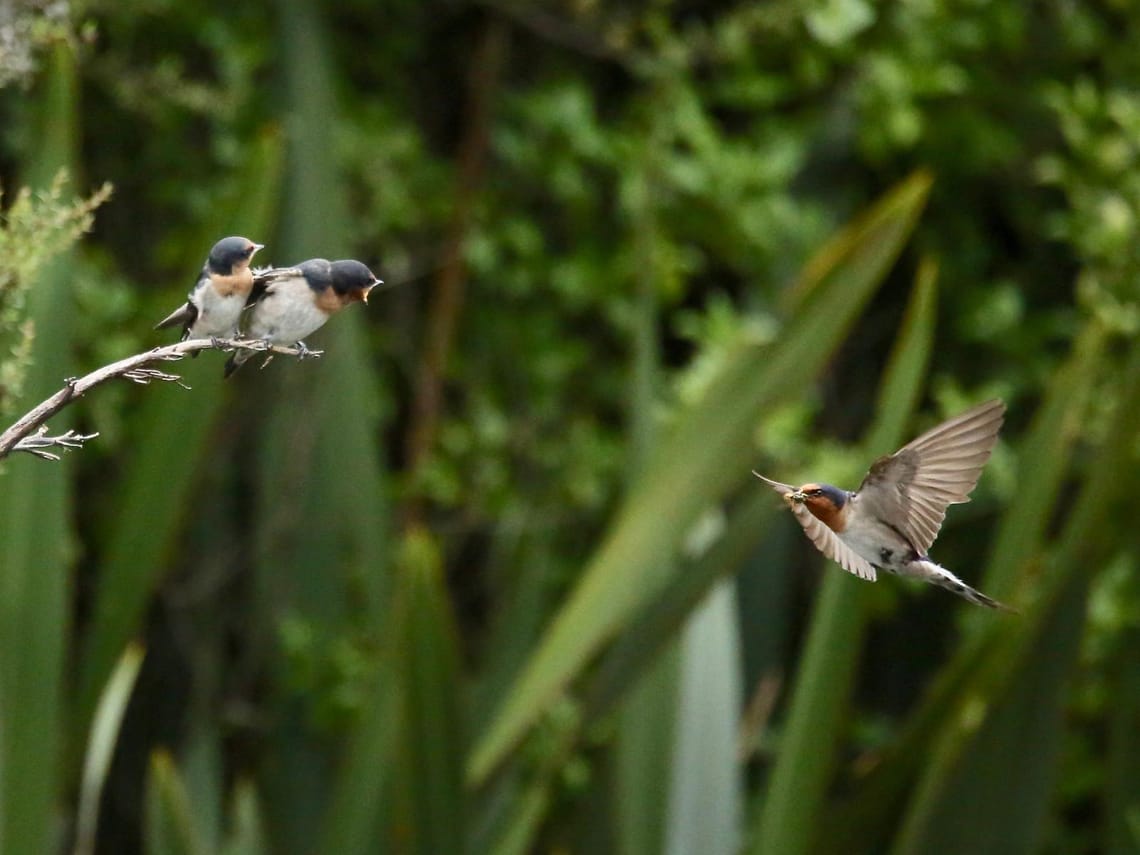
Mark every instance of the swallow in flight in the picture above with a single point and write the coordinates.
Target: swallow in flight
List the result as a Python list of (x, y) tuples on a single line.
[(893, 518)]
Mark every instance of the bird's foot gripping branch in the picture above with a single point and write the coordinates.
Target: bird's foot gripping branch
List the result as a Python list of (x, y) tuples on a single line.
[(29, 432)]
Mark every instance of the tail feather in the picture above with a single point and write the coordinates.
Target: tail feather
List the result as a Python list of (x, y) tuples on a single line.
[(938, 575), (237, 358), (185, 315)]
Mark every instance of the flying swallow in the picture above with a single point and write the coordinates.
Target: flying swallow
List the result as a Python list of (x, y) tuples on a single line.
[(893, 518), (213, 307), (289, 303)]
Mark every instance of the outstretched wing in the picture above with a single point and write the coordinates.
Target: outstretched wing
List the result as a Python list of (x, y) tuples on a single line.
[(825, 540), (912, 488)]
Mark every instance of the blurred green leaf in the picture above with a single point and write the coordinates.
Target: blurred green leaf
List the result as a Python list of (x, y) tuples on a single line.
[(644, 754), (159, 485), (1047, 447), (874, 808), (643, 751), (705, 785), (321, 514), (699, 461), (36, 529), (169, 828), (353, 823), (246, 835), (821, 695), (1003, 779), (1041, 664), (101, 745), (1122, 796), (432, 740)]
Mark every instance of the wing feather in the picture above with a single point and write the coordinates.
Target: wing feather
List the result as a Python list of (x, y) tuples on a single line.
[(263, 280), (828, 542), (912, 488), (185, 315), (824, 539)]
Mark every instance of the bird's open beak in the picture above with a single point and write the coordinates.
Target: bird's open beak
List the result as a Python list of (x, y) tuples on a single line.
[(368, 290), (796, 496)]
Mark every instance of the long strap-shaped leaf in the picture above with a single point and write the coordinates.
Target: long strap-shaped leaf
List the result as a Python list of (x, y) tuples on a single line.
[(700, 461), (821, 695), (36, 538), (871, 813)]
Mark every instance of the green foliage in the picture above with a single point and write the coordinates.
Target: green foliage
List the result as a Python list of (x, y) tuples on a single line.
[(607, 230), (37, 227), (26, 27)]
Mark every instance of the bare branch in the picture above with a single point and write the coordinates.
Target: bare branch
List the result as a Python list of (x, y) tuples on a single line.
[(39, 442), (29, 433)]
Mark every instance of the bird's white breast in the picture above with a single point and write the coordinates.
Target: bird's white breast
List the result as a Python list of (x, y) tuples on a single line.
[(868, 537), (217, 315), (287, 314)]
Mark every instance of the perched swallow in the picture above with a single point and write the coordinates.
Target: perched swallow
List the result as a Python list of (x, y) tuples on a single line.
[(213, 308), (893, 518), (289, 303)]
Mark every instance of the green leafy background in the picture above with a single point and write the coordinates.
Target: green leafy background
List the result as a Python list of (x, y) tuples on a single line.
[(492, 576)]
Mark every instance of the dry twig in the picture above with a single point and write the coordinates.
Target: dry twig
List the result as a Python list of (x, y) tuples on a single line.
[(29, 432)]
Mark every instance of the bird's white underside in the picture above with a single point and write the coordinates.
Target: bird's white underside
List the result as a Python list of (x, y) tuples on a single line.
[(287, 313), (910, 489)]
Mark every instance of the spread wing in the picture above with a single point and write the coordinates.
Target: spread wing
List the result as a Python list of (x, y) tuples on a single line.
[(912, 488), (825, 540)]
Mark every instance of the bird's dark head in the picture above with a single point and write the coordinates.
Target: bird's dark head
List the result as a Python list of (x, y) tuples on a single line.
[(231, 254), (823, 497), (352, 280)]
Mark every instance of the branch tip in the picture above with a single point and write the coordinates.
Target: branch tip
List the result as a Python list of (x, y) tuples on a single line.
[(29, 433)]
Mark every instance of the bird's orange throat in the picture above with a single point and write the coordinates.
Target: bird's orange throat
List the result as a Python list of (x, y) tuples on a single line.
[(238, 282), (330, 302), (824, 510)]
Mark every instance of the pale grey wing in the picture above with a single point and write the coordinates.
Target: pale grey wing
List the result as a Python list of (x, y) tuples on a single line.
[(828, 542), (912, 488), (824, 539)]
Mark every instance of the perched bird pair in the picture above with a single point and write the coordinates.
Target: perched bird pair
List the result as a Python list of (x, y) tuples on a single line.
[(893, 518), (285, 304)]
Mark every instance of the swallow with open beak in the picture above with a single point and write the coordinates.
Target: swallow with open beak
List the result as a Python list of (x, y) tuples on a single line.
[(289, 303), (893, 518), (214, 306)]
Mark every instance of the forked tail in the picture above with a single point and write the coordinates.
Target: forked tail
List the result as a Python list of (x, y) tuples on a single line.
[(938, 575)]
